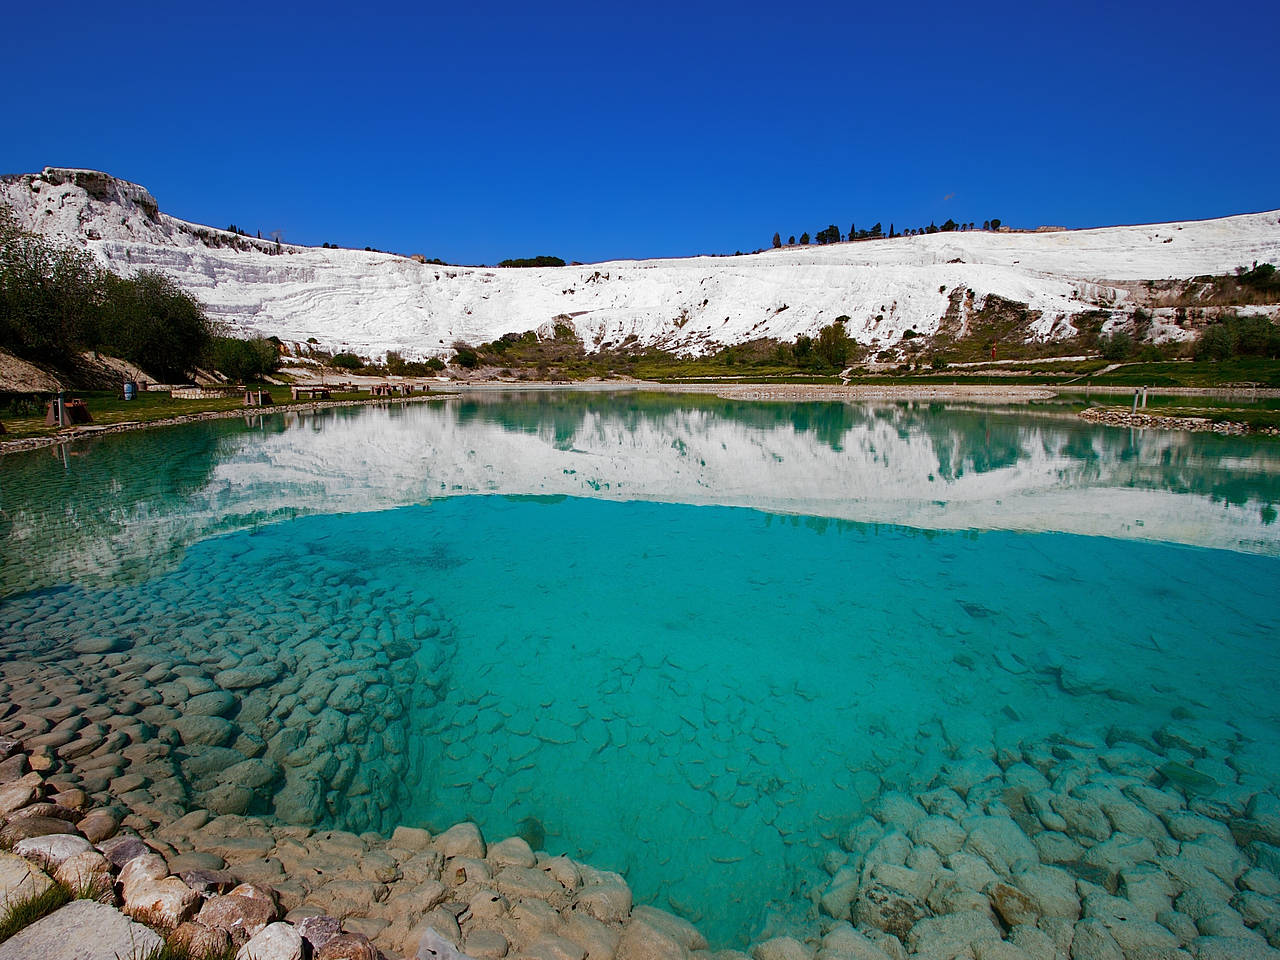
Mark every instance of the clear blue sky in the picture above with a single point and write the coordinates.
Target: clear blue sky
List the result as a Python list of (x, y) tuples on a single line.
[(595, 131)]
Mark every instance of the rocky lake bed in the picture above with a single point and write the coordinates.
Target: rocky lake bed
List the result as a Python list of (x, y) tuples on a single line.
[(1141, 844)]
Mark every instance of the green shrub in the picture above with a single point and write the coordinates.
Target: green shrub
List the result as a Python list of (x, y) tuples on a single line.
[(465, 356), (244, 361), (1118, 346), (346, 361), (543, 261), (1236, 336)]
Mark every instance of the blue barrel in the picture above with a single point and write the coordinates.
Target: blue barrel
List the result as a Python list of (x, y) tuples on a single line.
[(130, 389)]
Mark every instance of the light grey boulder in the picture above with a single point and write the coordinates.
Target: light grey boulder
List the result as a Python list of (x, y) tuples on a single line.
[(1001, 843), (1224, 948), (887, 909), (914, 882), (1129, 818), (943, 834), (1092, 941), (1224, 923), (82, 930), (604, 896), (199, 731), (1138, 937), (894, 847), (511, 852), (434, 945), (1034, 942), (899, 810), (1260, 881), (950, 896), (20, 880), (679, 929), (1179, 924), (1119, 852), (643, 941), (1084, 817), (276, 941), (1220, 857), (53, 849), (461, 840), (952, 934), (167, 901), (998, 950), (1051, 888), (970, 870), (216, 703), (247, 677), (843, 942), (781, 948), (838, 896)]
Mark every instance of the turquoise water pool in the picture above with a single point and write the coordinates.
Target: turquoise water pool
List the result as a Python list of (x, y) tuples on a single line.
[(688, 640)]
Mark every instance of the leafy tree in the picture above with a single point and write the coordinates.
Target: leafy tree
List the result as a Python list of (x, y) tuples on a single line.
[(543, 261), (50, 295), (777, 241), (1262, 277), (244, 361), (465, 356), (1118, 346), (995, 224), (803, 349), (1236, 336), (400, 367), (1256, 337), (151, 321), (346, 361), (1217, 342), (832, 346)]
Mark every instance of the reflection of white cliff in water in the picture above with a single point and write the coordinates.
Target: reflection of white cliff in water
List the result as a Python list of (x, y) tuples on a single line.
[(137, 499)]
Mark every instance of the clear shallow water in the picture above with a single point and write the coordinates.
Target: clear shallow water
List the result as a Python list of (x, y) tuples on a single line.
[(698, 695)]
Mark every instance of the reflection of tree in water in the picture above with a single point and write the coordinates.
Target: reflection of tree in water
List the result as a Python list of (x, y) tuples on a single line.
[(965, 439), (563, 416), (68, 504)]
